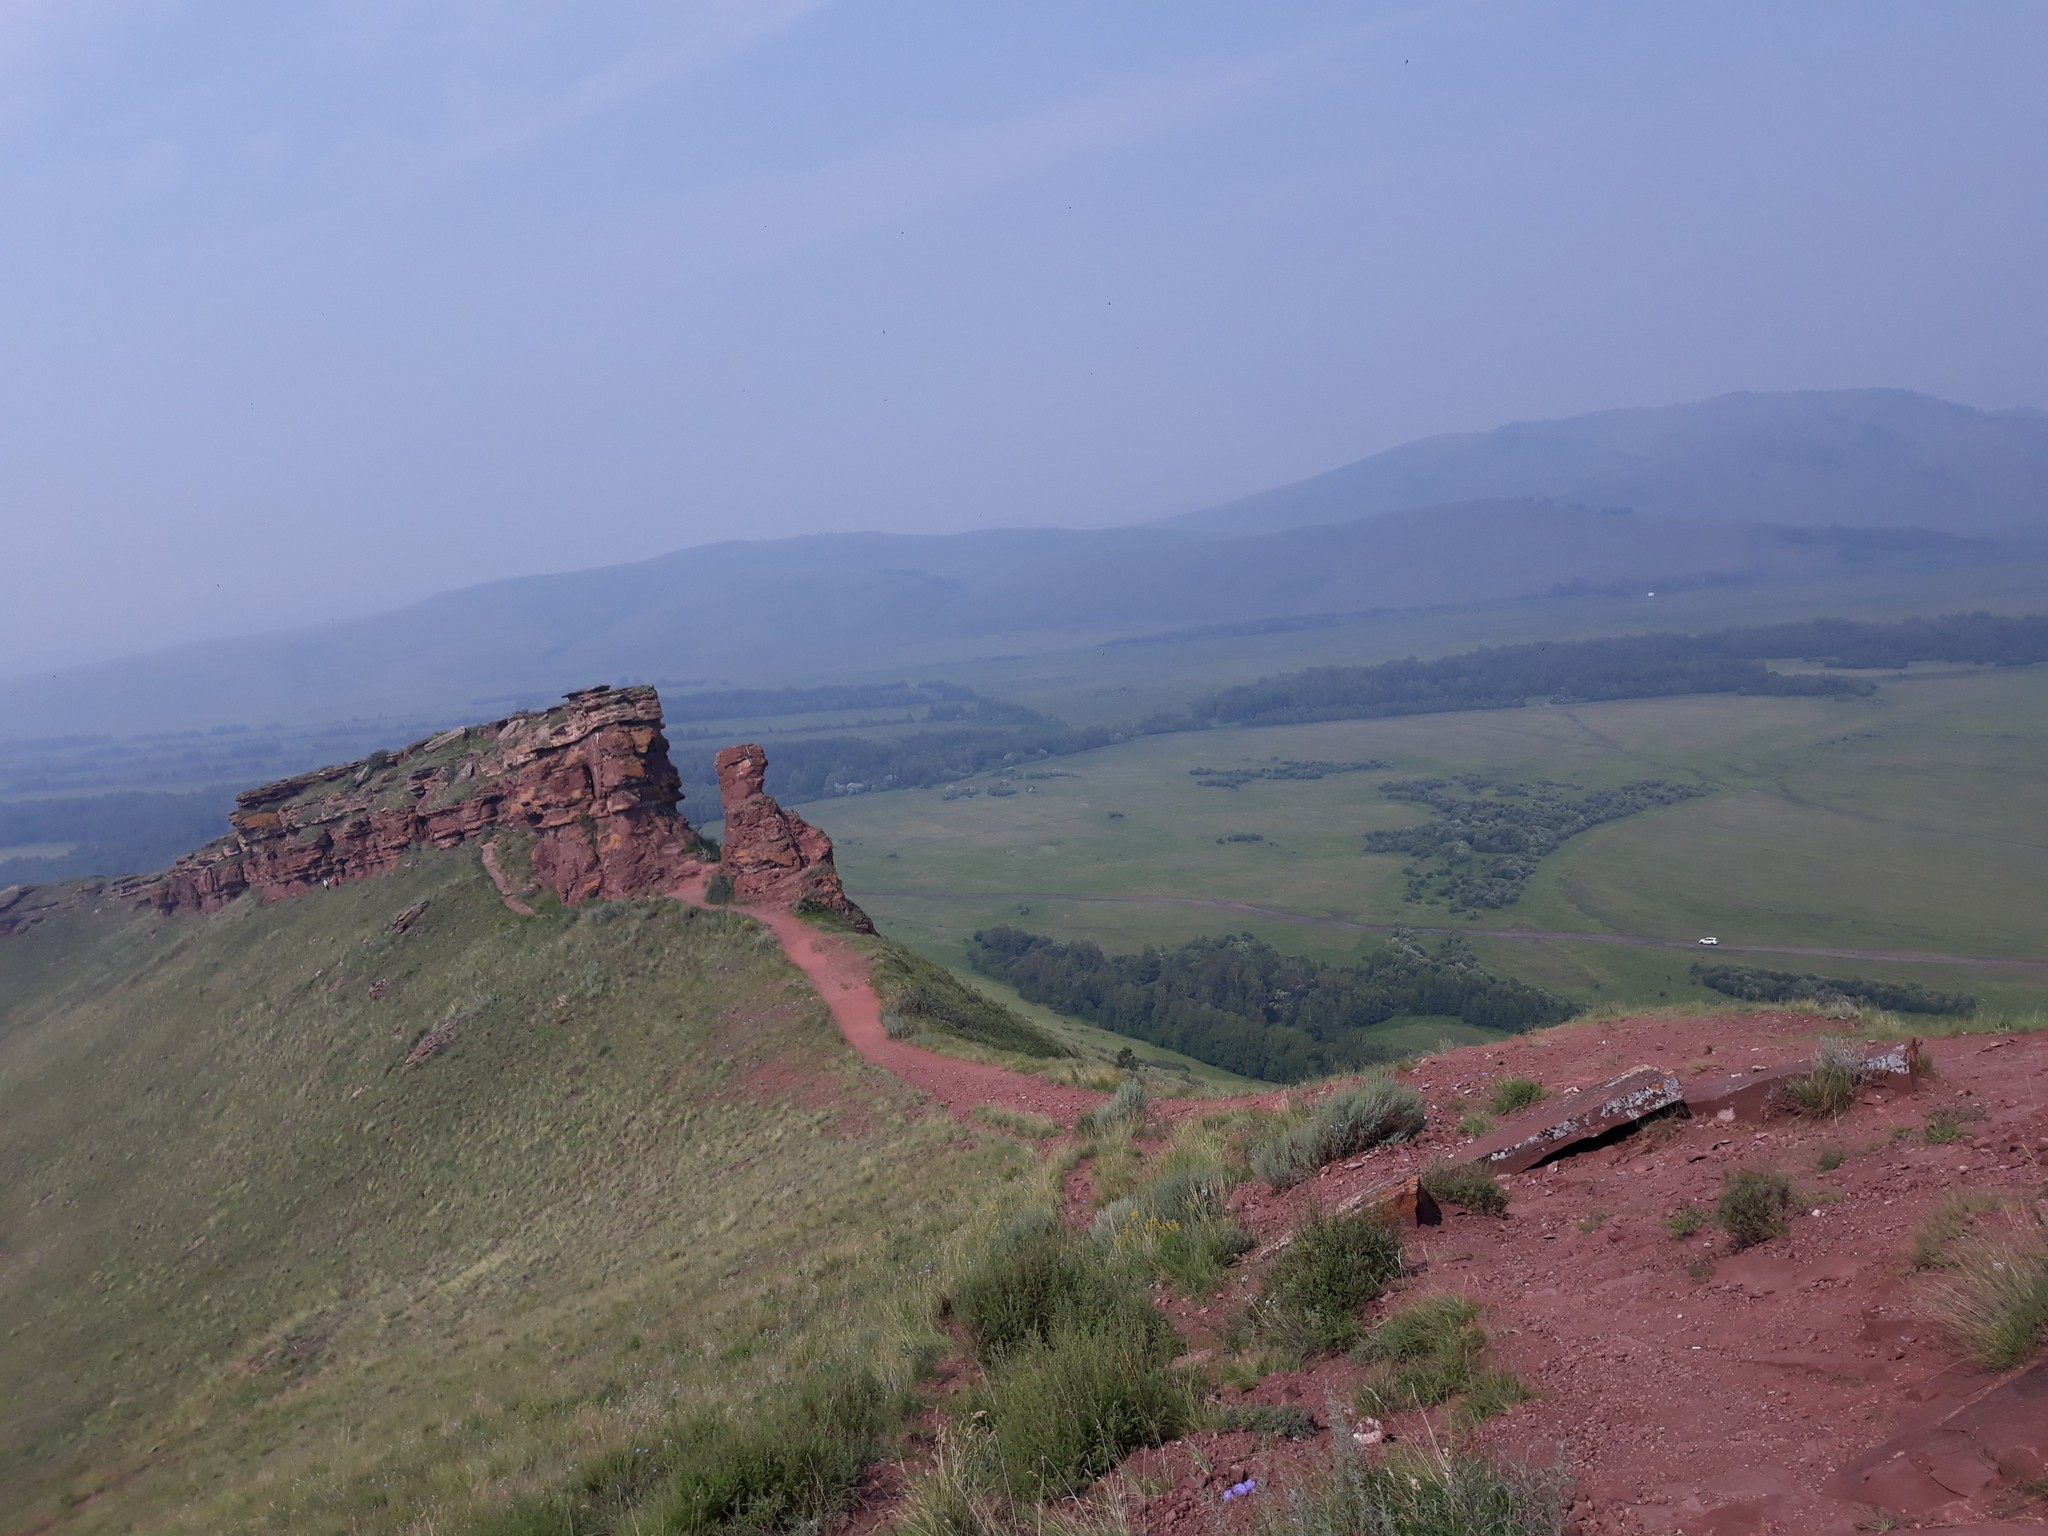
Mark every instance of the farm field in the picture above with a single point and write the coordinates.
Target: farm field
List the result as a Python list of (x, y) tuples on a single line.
[(1904, 825)]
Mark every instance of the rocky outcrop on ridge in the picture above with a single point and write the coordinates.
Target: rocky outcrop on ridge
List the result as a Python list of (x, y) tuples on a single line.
[(590, 779), (770, 855)]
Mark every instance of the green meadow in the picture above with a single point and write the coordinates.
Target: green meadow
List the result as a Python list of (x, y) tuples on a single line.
[(261, 1275), (1906, 824)]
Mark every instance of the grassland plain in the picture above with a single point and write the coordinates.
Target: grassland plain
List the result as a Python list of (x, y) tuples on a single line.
[(1904, 823), (263, 1276)]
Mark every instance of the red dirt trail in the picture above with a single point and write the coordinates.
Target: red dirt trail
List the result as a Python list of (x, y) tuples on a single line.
[(1794, 1389), (838, 971)]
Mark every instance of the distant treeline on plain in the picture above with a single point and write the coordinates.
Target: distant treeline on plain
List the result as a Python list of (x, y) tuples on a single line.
[(1760, 986), (1497, 677), (1236, 1002)]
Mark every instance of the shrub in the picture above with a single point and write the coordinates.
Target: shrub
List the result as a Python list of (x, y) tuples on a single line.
[(718, 890), (1686, 1220), (1407, 1494), (1754, 1206), (1176, 1226), (1515, 1093), (1830, 1088), (1124, 1111), (1037, 1279), (1949, 1219), (1466, 1185), (1343, 1125), (1333, 1268), (1997, 1303), (1064, 1412), (795, 1460), (1473, 1123), (1946, 1125), (1429, 1353)]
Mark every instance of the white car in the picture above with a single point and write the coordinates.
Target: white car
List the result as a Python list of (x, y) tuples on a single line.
[(1710, 941)]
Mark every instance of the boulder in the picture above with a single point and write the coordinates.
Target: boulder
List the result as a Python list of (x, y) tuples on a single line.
[(774, 857)]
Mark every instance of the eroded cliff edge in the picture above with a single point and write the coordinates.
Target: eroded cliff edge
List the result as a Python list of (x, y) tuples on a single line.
[(590, 781)]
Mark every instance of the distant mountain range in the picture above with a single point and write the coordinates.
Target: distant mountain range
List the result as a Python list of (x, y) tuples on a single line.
[(1741, 489), (1870, 458)]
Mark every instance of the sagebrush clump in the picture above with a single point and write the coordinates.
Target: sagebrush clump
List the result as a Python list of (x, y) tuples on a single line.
[(1374, 1113), (1755, 1206)]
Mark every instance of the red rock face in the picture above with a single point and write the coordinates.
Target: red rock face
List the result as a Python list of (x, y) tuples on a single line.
[(773, 856), (591, 779)]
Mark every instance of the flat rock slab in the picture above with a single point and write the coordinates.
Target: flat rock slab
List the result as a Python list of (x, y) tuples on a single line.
[(1575, 1118), (2000, 1435), (1752, 1096)]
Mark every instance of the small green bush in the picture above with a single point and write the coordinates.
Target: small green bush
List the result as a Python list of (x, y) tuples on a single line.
[(1686, 1220), (1347, 1123), (718, 890), (1038, 1279), (1427, 1353), (1945, 1126), (1515, 1093), (1473, 1123), (1125, 1111), (794, 1461), (1332, 1269), (1466, 1185), (1410, 1494), (1829, 1089), (1754, 1206), (1176, 1226), (1066, 1411)]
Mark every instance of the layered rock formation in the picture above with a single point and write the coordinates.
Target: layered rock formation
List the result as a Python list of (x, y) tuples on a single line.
[(770, 855), (590, 780)]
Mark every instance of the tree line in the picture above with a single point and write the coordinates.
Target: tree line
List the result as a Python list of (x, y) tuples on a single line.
[(1760, 986), (1236, 1002)]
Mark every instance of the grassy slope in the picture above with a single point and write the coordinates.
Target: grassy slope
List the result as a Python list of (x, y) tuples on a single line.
[(1900, 823), (260, 1277)]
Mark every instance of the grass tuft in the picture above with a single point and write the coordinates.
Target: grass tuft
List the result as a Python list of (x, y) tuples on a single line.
[(1466, 1185), (1353, 1121), (1434, 1493), (1124, 1112), (1515, 1093), (1829, 1089), (1315, 1290), (1997, 1300)]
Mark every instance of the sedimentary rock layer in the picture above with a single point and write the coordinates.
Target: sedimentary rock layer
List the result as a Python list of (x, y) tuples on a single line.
[(772, 856), (590, 780)]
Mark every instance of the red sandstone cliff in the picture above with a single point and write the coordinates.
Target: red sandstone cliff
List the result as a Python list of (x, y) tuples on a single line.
[(772, 855), (590, 779)]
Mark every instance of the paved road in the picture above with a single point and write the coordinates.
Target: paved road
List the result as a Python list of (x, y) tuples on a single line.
[(1906, 956)]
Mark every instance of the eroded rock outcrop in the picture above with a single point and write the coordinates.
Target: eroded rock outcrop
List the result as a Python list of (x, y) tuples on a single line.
[(771, 856), (590, 780)]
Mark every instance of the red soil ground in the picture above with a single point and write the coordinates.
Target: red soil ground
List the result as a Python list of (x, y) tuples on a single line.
[(1683, 1387)]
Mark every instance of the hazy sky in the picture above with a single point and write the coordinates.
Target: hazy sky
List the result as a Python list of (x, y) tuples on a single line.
[(306, 309)]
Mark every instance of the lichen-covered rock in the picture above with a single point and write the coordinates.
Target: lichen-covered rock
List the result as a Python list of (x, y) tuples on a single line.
[(590, 779), (772, 856)]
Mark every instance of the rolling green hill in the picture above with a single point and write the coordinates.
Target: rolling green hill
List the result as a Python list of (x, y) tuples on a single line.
[(260, 1274)]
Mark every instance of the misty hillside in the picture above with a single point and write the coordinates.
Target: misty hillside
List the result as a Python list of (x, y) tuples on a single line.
[(794, 609), (1744, 489), (1882, 458)]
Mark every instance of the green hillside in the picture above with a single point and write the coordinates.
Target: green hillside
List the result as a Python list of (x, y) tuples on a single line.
[(261, 1275)]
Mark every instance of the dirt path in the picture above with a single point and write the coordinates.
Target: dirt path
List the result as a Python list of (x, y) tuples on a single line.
[(838, 971), (1281, 914)]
